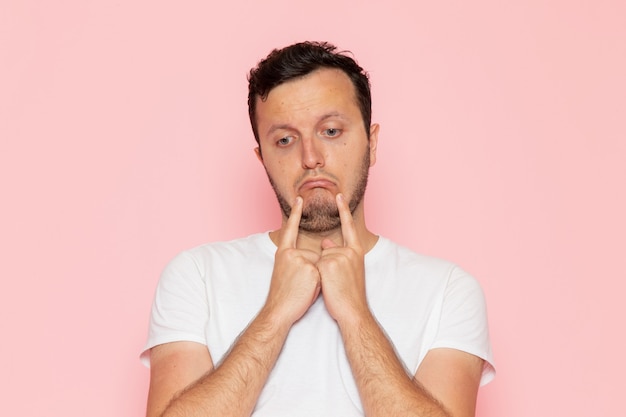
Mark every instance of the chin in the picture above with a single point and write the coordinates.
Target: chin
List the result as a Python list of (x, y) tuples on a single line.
[(320, 215), (320, 224)]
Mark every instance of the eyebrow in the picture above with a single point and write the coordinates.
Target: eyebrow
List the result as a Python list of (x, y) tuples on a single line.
[(287, 126)]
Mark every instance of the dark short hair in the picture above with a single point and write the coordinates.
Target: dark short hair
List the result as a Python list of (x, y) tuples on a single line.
[(298, 60)]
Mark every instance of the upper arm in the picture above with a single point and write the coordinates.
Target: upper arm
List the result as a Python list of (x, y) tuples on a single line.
[(173, 367), (452, 377)]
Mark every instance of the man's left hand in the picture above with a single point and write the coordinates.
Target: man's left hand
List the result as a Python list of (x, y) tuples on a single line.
[(342, 270)]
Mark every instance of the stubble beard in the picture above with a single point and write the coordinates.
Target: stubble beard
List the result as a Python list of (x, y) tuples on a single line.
[(320, 214)]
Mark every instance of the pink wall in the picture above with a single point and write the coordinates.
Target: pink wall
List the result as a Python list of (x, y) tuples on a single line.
[(124, 139)]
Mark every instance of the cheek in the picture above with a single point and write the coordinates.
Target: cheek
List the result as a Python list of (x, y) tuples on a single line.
[(279, 173)]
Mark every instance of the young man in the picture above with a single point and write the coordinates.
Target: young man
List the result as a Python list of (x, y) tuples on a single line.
[(321, 317)]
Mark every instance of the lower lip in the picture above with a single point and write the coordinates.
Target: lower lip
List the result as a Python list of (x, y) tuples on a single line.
[(316, 184)]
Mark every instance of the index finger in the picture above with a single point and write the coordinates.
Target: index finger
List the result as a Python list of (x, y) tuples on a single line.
[(290, 231), (348, 230)]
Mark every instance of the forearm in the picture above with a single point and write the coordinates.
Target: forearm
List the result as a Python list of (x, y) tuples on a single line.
[(385, 386), (232, 388)]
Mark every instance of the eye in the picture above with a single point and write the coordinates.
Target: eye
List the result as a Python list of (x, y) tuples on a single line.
[(284, 141), (332, 132)]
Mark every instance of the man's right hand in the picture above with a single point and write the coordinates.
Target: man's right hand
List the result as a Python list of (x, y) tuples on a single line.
[(295, 281)]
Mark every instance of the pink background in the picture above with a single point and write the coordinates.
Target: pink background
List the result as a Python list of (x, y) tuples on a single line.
[(124, 140)]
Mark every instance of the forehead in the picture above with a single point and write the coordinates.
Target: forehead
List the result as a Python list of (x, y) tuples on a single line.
[(323, 91)]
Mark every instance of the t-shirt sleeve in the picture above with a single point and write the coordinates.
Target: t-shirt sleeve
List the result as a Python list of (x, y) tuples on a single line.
[(463, 323), (180, 309)]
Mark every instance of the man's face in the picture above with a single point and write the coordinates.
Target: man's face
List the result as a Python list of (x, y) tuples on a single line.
[(313, 144)]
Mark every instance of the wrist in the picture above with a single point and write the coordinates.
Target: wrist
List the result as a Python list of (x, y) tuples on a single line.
[(355, 319), (274, 321)]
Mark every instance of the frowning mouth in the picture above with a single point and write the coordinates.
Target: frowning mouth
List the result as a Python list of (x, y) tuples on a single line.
[(316, 183)]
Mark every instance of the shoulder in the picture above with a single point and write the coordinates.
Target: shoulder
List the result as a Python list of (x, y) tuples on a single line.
[(388, 252), (258, 244), (398, 265)]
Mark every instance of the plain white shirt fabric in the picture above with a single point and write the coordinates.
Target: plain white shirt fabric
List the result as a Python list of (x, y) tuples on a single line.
[(209, 295)]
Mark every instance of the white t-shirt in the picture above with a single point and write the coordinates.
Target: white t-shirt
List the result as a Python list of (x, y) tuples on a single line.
[(209, 295)]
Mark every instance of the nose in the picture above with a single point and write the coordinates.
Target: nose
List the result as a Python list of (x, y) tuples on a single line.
[(312, 155)]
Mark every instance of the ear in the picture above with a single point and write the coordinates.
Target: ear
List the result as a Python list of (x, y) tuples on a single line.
[(257, 151), (374, 129)]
